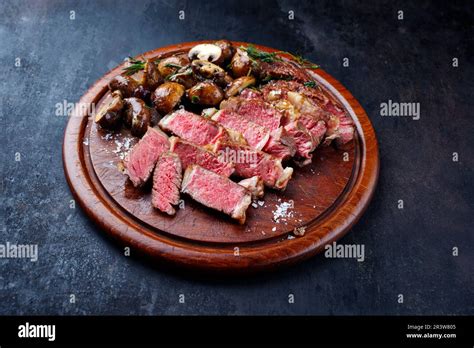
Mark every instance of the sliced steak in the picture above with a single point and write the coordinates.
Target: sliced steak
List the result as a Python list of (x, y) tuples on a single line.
[(255, 185), (192, 127), (167, 183), (249, 162), (216, 192), (190, 153), (258, 135), (304, 142), (141, 159), (317, 105), (281, 144), (261, 112)]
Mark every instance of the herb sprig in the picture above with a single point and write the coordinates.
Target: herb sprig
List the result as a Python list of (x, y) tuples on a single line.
[(171, 65), (134, 67), (303, 61), (255, 53), (311, 84)]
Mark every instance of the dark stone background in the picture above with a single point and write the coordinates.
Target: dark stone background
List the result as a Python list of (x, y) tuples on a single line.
[(408, 251)]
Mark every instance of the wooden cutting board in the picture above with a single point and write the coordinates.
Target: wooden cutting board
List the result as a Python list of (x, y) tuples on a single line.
[(323, 200)]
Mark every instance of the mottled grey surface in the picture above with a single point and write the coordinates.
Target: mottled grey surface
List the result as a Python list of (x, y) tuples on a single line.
[(408, 251)]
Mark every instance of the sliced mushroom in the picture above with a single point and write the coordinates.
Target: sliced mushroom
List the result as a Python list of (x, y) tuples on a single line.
[(167, 96), (206, 93), (209, 52), (209, 71), (184, 76), (240, 64), (227, 50), (171, 65), (110, 114), (206, 69), (238, 85)]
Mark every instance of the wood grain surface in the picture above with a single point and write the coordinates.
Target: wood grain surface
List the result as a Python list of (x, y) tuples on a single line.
[(328, 196)]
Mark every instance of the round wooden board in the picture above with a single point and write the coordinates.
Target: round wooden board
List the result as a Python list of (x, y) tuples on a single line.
[(327, 196)]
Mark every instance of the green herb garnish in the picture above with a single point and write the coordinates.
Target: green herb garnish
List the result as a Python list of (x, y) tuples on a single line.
[(303, 61), (195, 99), (255, 53), (310, 84), (171, 65), (134, 67)]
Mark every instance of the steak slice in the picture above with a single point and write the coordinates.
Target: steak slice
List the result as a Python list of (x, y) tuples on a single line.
[(192, 127), (259, 137), (141, 159), (304, 142), (249, 162), (316, 103), (216, 192), (190, 153), (256, 135), (255, 185), (167, 183), (281, 145), (261, 113)]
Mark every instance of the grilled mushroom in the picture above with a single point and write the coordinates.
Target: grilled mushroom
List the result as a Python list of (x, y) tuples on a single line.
[(184, 76), (171, 65), (153, 77), (206, 93), (208, 71), (227, 50), (209, 52), (138, 116), (240, 64), (110, 114), (238, 85), (167, 96), (125, 84)]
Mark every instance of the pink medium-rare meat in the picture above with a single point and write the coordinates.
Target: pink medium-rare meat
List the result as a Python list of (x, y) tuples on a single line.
[(256, 135), (304, 142), (255, 186), (190, 153), (276, 143), (141, 159), (167, 183), (192, 127), (254, 110), (339, 126), (249, 162), (216, 192), (261, 112), (280, 144)]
